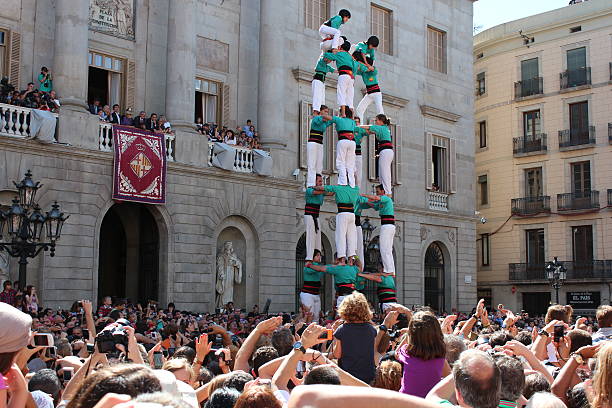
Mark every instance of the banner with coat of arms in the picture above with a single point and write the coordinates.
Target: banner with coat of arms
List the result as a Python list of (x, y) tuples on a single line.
[(140, 165)]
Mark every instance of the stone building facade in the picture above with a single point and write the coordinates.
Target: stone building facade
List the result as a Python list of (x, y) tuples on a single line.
[(241, 60), (544, 157)]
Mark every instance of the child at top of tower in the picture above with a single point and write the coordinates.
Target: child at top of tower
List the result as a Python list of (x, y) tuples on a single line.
[(330, 30)]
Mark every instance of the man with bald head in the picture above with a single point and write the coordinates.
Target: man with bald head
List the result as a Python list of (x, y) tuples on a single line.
[(474, 383)]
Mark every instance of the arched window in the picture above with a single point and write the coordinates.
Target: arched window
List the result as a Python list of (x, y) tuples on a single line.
[(434, 278)]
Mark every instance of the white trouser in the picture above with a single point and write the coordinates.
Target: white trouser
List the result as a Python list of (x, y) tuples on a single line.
[(367, 99), (385, 158), (359, 238), (345, 162), (387, 232), (314, 159), (358, 169), (313, 303), (385, 306), (318, 94), (339, 300), (313, 238), (326, 31), (345, 234), (346, 90)]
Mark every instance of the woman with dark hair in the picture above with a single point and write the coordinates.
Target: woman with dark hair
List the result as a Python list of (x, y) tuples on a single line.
[(423, 356), (385, 149), (129, 379), (230, 138), (31, 300)]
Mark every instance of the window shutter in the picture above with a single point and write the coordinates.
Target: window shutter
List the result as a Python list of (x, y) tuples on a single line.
[(397, 159), (225, 99), (371, 155), (304, 130), (130, 89), (428, 161), (14, 59), (453, 165)]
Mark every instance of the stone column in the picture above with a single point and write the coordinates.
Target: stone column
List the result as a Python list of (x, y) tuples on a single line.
[(70, 52), (180, 71), (272, 72)]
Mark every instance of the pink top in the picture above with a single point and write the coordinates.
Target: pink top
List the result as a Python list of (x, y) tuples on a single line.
[(420, 375)]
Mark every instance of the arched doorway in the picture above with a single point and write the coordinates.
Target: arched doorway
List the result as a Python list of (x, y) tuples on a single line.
[(327, 293), (128, 264), (434, 278)]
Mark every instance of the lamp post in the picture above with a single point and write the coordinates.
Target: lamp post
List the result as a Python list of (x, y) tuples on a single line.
[(25, 223), (367, 229), (556, 274)]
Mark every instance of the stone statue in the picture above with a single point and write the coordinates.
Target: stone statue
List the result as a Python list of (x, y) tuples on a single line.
[(229, 272)]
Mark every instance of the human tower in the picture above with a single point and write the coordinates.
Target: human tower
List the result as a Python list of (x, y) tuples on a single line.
[(350, 124)]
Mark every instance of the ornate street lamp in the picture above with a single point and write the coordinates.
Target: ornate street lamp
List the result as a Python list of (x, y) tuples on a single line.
[(25, 223), (367, 228), (556, 274)]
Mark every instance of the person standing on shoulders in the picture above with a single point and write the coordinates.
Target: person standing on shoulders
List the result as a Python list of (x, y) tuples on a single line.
[(384, 205), (385, 150)]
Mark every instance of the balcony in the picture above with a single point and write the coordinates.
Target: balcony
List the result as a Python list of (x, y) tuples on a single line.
[(106, 141), (595, 269), (529, 206), (15, 120), (438, 201), (528, 87), (576, 137), (575, 77), (529, 144), (578, 201)]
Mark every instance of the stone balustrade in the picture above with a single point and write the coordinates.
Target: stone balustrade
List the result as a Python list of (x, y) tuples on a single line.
[(106, 140), (15, 120), (438, 201), (243, 162)]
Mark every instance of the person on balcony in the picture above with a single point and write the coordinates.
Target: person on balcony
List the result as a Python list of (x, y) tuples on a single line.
[(152, 124), (230, 137), (127, 119), (141, 121), (115, 116)]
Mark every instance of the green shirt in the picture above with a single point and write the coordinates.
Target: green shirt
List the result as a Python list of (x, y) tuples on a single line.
[(343, 273), (387, 282), (384, 206), (310, 275), (312, 198), (360, 283), (344, 194), (363, 47), (360, 133), (361, 204), (45, 86), (317, 123), (369, 77), (382, 132), (335, 22), (344, 59), (344, 124), (323, 67)]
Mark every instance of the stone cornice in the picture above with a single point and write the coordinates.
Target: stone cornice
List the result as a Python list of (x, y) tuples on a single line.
[(436, 113), (18, 145), (306, 76)]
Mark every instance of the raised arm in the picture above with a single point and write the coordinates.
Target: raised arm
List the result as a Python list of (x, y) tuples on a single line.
[(89, 321), (371, 276), (318, 268), (245, 352), (324, 396), (519, 349), (371, 197)]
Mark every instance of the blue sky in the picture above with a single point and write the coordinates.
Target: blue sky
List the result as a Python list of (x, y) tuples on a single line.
[(489, 13)]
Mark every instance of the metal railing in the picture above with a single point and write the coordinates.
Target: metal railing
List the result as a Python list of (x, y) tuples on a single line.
[(577, 137), (530, 143), (15, 120), (595, 269), (575, 77), (105, 140), (438, 201), (611, 71), (579, 200), (610, 133), (530, 205), (610, 197), (529, 87)]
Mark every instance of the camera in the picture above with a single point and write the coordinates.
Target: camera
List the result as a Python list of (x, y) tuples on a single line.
[(112, 335)]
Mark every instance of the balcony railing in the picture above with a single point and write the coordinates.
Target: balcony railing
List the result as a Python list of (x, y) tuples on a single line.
[(580, 200), (528, 87), (611, 71), (243, 161), (595, 269), (610, 133), (530, 205), (575, 77), (105, 140), (438, 201), (610, 197), (15, 120), (530, 143), (576, 137)]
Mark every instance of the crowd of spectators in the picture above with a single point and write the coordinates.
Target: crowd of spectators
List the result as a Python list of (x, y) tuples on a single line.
[(244, 136), (36, 96), (141, 355), (152, 123)]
